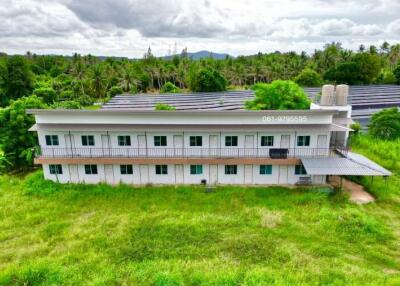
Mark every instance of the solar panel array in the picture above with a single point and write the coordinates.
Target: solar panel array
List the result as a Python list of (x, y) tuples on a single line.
[(365, 100)]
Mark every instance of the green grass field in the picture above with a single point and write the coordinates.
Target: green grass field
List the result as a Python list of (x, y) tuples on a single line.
[(99, 235)]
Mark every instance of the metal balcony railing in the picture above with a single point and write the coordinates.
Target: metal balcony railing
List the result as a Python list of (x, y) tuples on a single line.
[(231, 152)]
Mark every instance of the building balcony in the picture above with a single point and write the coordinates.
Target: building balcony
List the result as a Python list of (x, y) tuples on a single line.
[(185, 153)]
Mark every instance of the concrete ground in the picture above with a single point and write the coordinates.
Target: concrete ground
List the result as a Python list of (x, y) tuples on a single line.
[(357, 192)]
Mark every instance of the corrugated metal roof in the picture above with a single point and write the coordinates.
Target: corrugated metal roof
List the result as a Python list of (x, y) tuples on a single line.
[(354, 164)]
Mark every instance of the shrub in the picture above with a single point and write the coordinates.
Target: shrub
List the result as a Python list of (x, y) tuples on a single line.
[(280, 94), (35, 184), (114, 90), (169, 87), (385, 124), (207, 80), (308, 77), (47, 94), (68, 104), (162, 106)]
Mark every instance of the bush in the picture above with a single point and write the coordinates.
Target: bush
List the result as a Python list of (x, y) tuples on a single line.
[(385, 124), (396, 73), (35, 184), (115, 90), (169, 87), (162, 106), (47, 94), (68, 104), (207, 80), (279, 94)]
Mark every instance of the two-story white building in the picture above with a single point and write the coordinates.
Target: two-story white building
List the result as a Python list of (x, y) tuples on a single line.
[(126, 143)]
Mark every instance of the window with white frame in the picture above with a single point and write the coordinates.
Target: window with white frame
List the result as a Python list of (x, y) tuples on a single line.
[(55, 169), (196, 169), (124, 140), (303, 140), (267, 141), (90, 169), (87, 140), (51, 140), (230, 169), (196, 141), (265, 169), (160, 140), (126, 169), (161, 169), (231, 141)]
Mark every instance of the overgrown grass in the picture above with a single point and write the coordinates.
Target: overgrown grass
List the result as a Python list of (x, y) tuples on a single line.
[(55, 234)]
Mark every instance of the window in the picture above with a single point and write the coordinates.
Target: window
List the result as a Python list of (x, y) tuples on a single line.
[(161, 169), (55, 169), (231, 141), (303, 140), (160, 140), (51, 140), (230, 169), (196, 169), (265, 169), (267, 140), (87, 140), (90, 169), (126, 169), (124, 140), (300, 170), (196, 140)]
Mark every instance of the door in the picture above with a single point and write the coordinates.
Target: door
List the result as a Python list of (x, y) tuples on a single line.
[(144, 174), (105, 145), (178, 145), (322, 145), (249, 145), (283, 174), (285, 144), (213, 145), (109, 174), (248, 174), (73, 173), (178, 174), (142, 146), (213, 174), (69, 144)]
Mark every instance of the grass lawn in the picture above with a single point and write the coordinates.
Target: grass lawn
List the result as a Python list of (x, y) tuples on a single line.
[(100, 235)]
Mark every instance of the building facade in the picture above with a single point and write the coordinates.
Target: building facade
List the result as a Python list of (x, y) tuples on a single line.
[(185, 147)]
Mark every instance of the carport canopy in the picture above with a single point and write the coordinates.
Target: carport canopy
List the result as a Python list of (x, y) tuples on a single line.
[(354, 164)]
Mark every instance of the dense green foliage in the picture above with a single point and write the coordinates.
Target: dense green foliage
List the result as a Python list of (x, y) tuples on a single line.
[(396, 73), (385, 124), (162, 106), (169, 87), (15, 140), (308, 78), (206, 80), (279, 94), (56, 234)]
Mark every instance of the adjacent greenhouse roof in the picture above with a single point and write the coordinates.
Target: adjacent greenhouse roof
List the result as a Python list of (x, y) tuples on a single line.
[(353, 165), (365, 100)]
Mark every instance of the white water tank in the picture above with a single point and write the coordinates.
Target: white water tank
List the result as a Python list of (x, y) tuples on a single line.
[(342, 93), (327, 94)]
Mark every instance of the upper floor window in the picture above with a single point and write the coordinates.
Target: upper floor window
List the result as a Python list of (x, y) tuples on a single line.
[(231, 141), (265, 169), (230, 169), (196, 169), (196, 140), (300, 170), (90, 169), (52, 140), (87, 140), (161, 169), (55, 169), (303, 140), (126, 169), (124, 140), (160, 140), (267, 140)]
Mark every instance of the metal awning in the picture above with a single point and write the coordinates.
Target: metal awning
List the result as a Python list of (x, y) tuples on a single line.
[(354, 164)]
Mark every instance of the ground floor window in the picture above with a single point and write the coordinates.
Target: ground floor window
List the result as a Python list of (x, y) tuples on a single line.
[(161, 169), (265, 169), (230, 169), (126, 169), (196, 169), (300, 170), (55, 169), (90, 169)]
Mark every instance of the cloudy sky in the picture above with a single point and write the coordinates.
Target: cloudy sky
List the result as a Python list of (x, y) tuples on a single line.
[(128, 27)]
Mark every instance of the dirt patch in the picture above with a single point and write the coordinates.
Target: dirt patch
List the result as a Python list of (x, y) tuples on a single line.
[(357, 192)]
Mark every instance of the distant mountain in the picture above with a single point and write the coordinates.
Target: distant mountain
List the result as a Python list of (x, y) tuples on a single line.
[(201, 55)]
